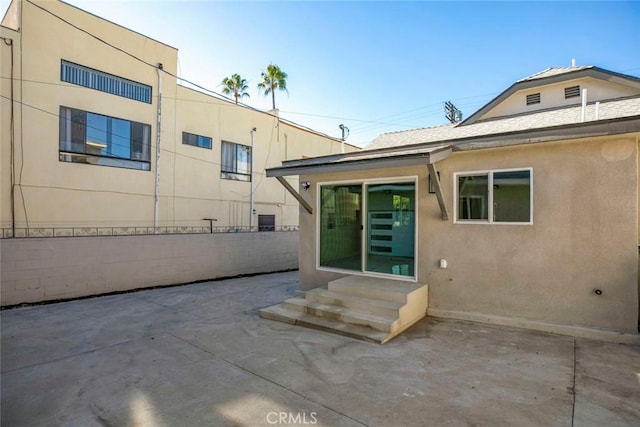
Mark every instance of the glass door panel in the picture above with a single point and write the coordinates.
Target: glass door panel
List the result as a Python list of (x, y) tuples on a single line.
[(341, 226), (390, 242)]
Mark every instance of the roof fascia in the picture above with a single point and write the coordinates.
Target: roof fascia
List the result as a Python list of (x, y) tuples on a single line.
[(616, 126), (364, 164), (595, 72)]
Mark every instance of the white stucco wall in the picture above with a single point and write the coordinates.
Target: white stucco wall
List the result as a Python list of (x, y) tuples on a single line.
[(42, 269)]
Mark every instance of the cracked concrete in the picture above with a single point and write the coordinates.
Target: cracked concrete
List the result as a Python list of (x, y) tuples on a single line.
[(200, 355)]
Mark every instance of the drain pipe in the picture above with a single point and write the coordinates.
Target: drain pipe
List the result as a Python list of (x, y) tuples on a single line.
[(9, 42), (158, 127), (253, 131), (584, 104)]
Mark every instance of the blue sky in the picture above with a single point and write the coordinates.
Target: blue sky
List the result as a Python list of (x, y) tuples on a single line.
[(378, 66)]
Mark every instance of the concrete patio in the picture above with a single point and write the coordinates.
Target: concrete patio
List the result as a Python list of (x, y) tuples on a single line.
[(200, 355)]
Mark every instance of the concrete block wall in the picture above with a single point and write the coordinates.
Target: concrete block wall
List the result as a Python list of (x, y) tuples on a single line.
[(34, 270)]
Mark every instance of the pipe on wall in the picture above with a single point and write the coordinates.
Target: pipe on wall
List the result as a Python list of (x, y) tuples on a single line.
[(158, 128)]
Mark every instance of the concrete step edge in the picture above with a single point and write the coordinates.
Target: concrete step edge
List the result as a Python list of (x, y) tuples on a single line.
[(278, 313), (392, 305), (339, 310)]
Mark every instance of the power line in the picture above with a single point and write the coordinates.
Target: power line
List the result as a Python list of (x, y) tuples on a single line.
[(354, 128), (151, 145)]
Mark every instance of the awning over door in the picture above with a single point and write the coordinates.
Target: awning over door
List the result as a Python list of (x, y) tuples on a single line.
[(366, 160)]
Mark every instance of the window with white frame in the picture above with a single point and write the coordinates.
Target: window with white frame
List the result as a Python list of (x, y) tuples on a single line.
[(236, 161), (500, 196), (97, 139), (196, 140)]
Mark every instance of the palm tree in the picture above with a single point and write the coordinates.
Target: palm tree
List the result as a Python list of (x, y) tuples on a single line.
[(272, 79), (235, 85)]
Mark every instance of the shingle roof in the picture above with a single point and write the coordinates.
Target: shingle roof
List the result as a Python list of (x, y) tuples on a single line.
[(542, 119), (554, 71)]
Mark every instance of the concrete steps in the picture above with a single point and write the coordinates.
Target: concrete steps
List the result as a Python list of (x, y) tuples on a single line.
[(361, 307)]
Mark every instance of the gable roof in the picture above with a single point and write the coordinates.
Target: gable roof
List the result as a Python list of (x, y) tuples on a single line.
[(554, 71), (429, 145), (554, 75), (613, 109)]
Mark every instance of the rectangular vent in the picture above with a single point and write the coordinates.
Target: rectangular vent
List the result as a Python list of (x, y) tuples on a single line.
[(104, 82), (571, 92), (534, 98)]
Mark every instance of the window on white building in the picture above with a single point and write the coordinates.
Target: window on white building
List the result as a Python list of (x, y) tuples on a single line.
[(196, 140), (236, 161), (97, 139)]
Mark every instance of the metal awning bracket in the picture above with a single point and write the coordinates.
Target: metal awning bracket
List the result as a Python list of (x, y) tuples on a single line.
[(295, 194), (435, 182)]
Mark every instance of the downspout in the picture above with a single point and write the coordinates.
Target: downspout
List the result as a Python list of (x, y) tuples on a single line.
[(158, 128), (584, 105), (9, 42), (253, 131)]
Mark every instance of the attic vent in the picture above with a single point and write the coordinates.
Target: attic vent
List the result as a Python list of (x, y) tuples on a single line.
[(571, 92), (534, 98)]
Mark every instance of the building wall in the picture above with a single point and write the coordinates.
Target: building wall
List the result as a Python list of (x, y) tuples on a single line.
[(552, 96), (6, 113), (36, 270), (51, 193), (583, 237)]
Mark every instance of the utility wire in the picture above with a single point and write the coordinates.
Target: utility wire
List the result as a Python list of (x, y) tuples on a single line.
[(123, 136), (223, 97)]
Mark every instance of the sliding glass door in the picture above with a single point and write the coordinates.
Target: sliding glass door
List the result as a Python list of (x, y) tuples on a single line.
[(380, 241), (341, 227), (391, 228)]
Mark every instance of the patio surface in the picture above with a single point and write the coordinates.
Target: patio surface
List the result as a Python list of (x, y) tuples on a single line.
[(199, 355)]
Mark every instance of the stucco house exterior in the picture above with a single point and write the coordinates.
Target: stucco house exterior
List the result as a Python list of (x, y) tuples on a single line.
[(523, 214), (98, 131)]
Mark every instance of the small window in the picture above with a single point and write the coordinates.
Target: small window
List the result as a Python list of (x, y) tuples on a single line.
[(236, 162), (96, 139), (104, 82), (196, 140), (494, 197), (534, 98), (572, 92)]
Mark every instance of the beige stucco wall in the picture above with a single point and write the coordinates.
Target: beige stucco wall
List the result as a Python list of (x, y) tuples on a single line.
[(227, 200), (35, 270), (552, 96), (5, 117), (60, 194), (584, 237)]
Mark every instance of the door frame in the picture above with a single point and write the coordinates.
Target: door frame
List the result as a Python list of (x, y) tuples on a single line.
[(365, 226)]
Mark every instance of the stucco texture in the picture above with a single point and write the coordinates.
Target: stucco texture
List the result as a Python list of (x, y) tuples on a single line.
[(583, 237)]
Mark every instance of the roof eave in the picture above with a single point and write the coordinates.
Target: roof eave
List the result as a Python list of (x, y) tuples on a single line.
[(615, 126), (363, 164), (595, 72)]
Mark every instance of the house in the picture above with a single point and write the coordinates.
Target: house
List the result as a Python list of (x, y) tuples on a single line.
[(98, 131), (524, 214)]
